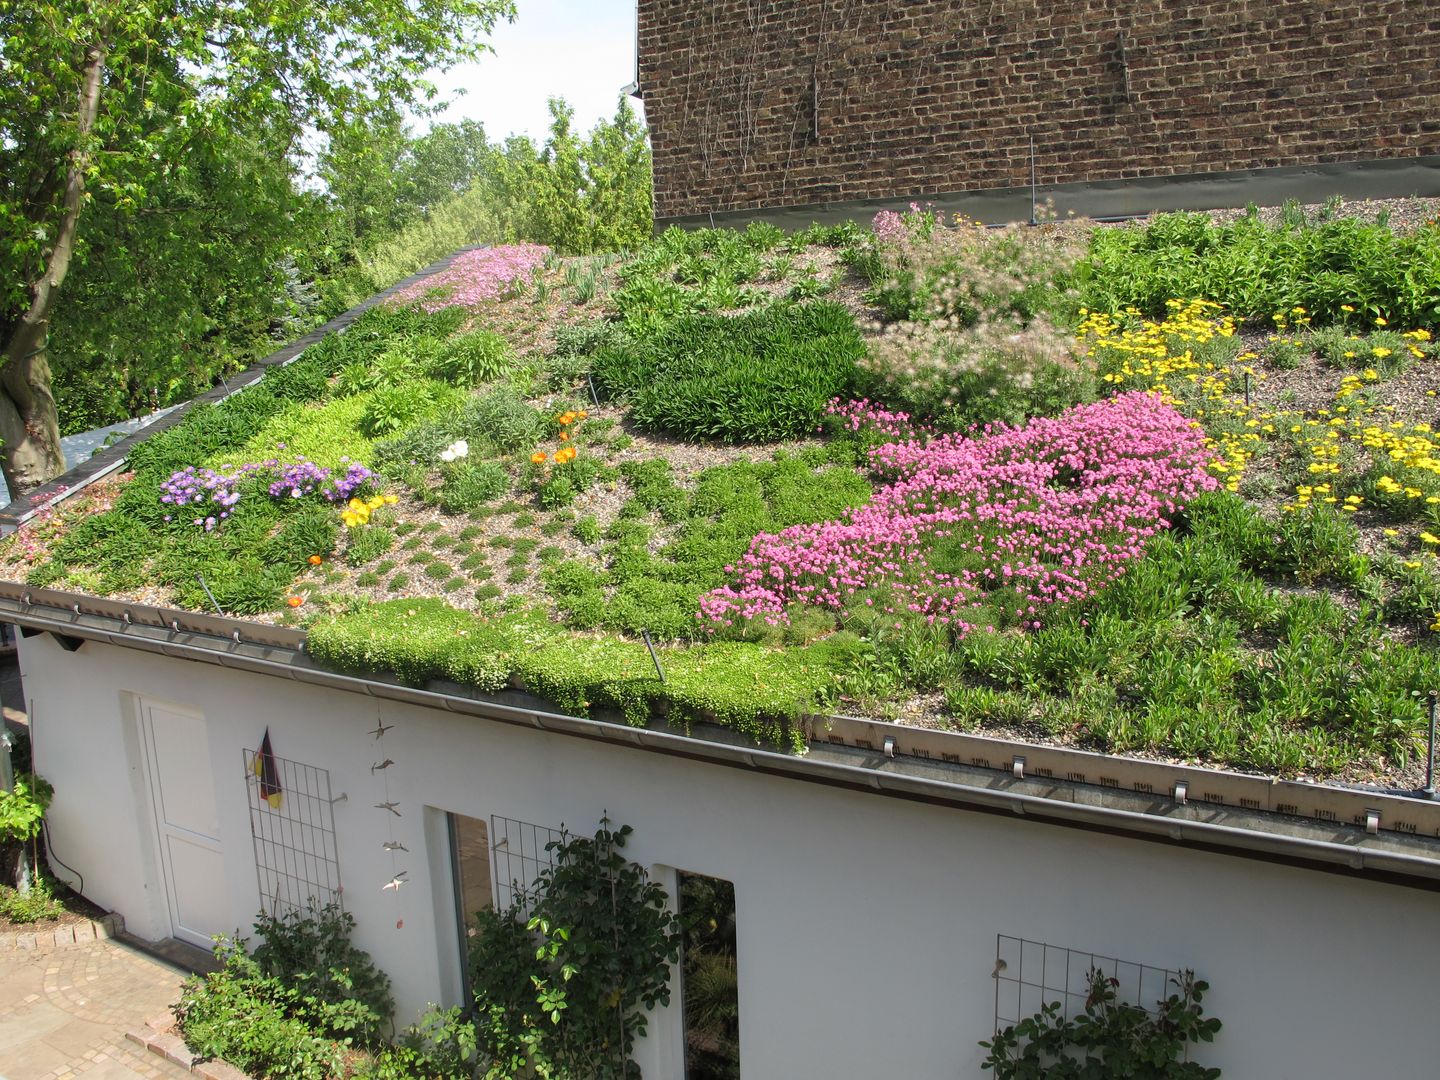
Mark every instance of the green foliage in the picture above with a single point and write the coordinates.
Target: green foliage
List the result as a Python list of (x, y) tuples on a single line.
[(442, 1046), (758, 377), (471, 359), (38, 904), (258, 1024), (557, 485), (391, 408), (322, 432), (660, 592), (1255, 269), (23, 808), (1214, 647), (311, 954), (712, 990), (655, 489), (977, 319), (1110, 1039), (366, 543), (469, 484), (578, 196), (760, 692), (171, 126), (565, 992)]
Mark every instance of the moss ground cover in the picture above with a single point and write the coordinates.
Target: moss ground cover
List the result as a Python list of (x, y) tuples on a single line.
[(900, 472)]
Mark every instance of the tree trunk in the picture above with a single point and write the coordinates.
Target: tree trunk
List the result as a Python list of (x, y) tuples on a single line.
[(29, 421)]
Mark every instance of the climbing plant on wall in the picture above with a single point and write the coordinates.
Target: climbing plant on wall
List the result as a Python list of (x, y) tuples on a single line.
[(564, 993)]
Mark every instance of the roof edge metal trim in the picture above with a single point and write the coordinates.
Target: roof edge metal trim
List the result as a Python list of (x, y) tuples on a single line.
[(885, 778)]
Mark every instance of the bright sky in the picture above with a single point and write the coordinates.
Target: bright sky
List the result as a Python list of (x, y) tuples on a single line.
[(581, 50)]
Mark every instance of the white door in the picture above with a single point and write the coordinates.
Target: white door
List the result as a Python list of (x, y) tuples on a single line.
[(182, 792)]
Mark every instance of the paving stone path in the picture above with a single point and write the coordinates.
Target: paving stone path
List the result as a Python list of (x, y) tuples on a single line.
[(64, 1011)]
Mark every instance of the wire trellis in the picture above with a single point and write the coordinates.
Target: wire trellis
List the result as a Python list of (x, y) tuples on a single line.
[(297, 864), (518, 852), (1032, 974)]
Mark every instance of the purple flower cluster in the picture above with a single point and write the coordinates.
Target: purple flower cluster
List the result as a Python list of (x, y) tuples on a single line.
[(219, 490), (204, 487), (1043, 514)]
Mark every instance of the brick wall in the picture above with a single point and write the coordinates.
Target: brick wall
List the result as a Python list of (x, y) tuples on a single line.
[(754, 103)]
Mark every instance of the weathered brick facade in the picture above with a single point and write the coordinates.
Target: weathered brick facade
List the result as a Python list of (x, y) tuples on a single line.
[(791, 102)]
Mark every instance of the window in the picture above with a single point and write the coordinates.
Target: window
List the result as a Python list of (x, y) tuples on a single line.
[(470, 858), (710, 989)]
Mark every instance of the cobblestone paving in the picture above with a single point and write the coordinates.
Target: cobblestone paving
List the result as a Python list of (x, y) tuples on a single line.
[(64, 1011)]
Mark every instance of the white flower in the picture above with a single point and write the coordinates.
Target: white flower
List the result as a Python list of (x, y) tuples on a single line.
[(455, 451)]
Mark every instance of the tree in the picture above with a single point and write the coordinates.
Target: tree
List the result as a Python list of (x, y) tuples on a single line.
[(111, 99), (578, 196)]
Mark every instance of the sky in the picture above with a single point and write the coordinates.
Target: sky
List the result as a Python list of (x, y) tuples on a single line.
[(581, 50)]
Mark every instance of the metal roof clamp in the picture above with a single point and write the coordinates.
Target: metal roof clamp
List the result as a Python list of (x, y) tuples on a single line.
[(1372, 822), (1017, 767), (1181, 792), (889, 746)]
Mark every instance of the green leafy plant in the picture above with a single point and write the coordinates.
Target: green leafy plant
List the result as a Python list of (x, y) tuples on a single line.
[(758, 377), (310, 953), (1340, 270), (470, 359), (259, 1024), (565, 991), (468, 485), (37, 904), (1109, 1039), (23, 808)]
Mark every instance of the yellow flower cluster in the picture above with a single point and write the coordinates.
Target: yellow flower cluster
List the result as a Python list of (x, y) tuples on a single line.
[(358, 511), (1168, 358)]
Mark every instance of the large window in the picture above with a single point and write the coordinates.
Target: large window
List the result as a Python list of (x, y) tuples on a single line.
[(710, 988)]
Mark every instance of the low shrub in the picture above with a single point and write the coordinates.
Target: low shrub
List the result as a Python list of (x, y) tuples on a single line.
[(254, 1022), (758, 377), (298, 1008), (995, 370), (310, 952), (391, 408), (469, 484), (470, 359), (1339, 270), (966, 273), (1109, 1037), (564, 990), (38, 904)]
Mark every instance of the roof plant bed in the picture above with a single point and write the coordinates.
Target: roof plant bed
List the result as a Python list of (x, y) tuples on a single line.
[(1169, 489)]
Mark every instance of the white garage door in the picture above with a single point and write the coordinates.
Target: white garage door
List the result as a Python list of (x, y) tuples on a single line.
[(183, 795)]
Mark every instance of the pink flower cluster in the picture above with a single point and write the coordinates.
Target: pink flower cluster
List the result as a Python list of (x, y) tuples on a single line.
[(865, 415), (888, 226), (474, 276), (1027, 517)]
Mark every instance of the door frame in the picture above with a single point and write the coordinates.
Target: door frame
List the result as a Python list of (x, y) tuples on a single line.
[(170, 908)]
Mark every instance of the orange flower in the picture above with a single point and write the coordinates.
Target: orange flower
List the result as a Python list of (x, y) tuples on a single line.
[(316, 560), (564, 435), (582, 414), (537, 457), (294, 601)]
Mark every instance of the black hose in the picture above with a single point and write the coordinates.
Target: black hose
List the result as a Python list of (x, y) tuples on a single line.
[(50, 856)]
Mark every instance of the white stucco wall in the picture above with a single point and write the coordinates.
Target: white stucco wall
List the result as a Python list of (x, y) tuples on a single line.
[(867, 925)]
